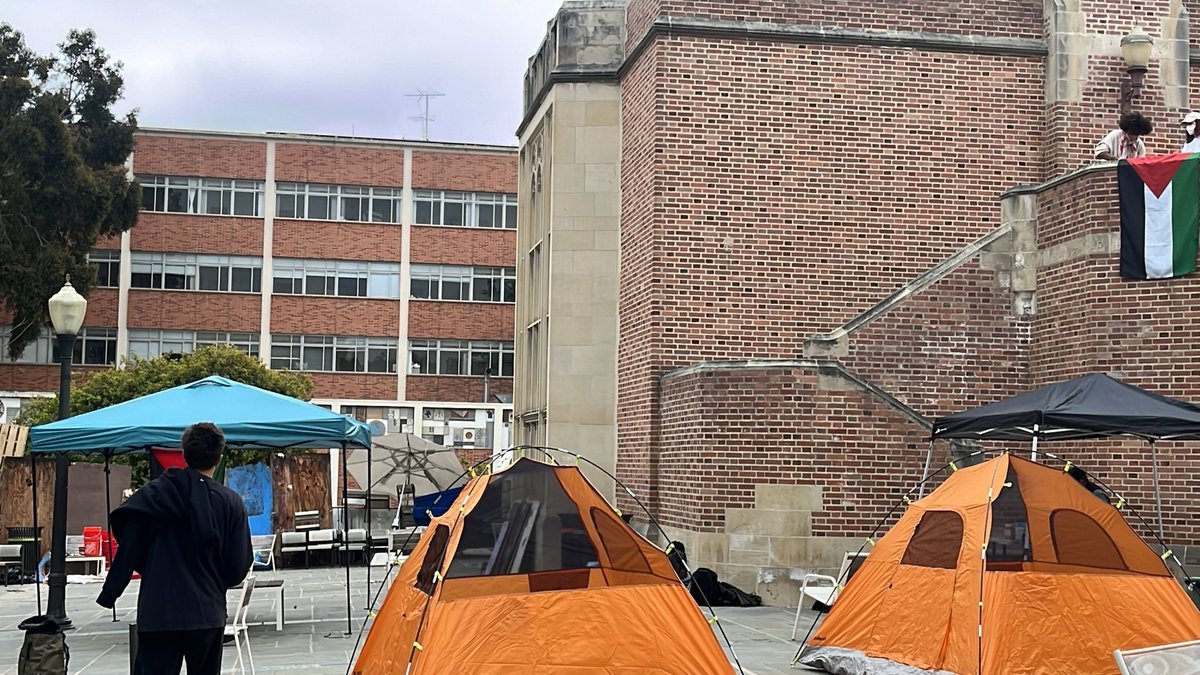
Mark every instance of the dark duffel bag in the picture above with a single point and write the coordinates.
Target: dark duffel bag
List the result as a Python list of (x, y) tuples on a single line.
[(44, 651)]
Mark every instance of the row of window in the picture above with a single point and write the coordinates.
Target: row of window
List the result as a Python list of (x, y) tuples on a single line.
[(314, 353), (243, 274), (307, 201)]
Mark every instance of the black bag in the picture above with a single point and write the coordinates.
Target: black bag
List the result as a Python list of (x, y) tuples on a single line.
[(705, 589), (44, 651)]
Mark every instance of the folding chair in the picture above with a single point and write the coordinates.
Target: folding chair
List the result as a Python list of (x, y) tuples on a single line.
[(240, 629), (826, 592), (293, 543), (322, 540), (263, 547), (356, 542)]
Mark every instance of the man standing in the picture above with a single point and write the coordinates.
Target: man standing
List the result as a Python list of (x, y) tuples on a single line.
[(1126, 141), (188, 537)]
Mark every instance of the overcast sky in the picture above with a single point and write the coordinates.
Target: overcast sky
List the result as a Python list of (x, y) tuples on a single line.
[(314, 66)]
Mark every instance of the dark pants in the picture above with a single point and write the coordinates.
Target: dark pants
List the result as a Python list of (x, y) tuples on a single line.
[(163, 652)]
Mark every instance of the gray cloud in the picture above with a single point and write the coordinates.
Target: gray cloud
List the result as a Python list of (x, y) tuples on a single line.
[(336, 67)]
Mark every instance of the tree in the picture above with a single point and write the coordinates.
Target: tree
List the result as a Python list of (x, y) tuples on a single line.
[(140, 377), (63, 183)]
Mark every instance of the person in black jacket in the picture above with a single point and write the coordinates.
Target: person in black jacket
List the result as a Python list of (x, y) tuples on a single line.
[(188, 537)]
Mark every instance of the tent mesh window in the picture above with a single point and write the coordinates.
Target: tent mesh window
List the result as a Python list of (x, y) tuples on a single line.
[(524, 523), (936, 541), (432, 561), (623, 552), (1008, 539), (1080, 540)]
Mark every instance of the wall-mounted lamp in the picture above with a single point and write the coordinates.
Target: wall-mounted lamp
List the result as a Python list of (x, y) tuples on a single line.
[(1135, 50)]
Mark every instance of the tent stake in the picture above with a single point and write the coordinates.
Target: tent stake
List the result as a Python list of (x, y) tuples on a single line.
[(37, 535), (1157, 493)]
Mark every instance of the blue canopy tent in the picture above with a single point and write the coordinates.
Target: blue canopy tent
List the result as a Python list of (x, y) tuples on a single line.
[(248, 416)]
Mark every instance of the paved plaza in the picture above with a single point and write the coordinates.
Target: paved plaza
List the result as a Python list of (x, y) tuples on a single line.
[(314, 638)]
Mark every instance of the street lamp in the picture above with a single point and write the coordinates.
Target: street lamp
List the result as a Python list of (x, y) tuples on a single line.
[(1136, 50), (67, 308)]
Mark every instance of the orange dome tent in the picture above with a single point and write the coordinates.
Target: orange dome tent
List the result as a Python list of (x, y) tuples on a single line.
[(531, 571), (1009, 568)]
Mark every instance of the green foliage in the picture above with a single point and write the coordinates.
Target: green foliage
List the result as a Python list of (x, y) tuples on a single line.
[(140, 377), (63, 183)]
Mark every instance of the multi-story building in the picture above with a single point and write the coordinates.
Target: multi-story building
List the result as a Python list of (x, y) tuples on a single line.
[(383, 268), (827, 224)]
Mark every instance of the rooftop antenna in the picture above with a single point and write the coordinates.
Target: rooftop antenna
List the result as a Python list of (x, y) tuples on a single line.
[(423, 97)]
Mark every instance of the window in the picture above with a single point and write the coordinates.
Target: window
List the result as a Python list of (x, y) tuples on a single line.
[(336, 277), (337, 202), (461, 357), (93, 347), (149, 344), (343, 354), (451, 282), (464, 209), (189, 272), (936, 541), (108, 268), (209, 196), (1080, 540)]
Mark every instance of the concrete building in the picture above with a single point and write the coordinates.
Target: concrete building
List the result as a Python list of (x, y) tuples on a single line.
[(836, 222), (384, 268)]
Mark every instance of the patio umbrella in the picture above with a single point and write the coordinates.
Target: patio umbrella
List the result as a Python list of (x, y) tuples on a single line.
[(398, 460)]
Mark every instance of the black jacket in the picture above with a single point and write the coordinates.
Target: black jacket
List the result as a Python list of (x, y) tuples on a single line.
[(188, 537)]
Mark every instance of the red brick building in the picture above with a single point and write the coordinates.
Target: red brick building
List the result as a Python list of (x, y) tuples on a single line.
[(383, 268), (837, 222)]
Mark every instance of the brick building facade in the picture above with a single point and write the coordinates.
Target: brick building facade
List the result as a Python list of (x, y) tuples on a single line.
[(384, 268), (837, 222)]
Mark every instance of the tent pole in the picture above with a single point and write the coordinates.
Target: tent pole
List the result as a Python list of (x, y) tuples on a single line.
[(108, 519), (367, 550), (1157, 493), (345, 530), (925, 471), (1035, 440), (37, 535)]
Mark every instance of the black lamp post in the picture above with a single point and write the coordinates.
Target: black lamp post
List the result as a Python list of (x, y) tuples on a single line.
[(67, 308)]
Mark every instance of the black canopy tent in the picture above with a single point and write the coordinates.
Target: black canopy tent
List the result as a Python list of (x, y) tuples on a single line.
[(1093, 406)]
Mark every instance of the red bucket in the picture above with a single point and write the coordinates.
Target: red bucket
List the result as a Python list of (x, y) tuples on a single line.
[(92, 537)]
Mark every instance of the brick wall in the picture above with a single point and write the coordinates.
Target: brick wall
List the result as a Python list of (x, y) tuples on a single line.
[(101, 308), (376, 386), (460, 320), (193, 310), (452, 388), (36, 377), (199, 157), (471, 172), (223, 235), (464, 246), (355, 165), (334, 316), (325, 240)]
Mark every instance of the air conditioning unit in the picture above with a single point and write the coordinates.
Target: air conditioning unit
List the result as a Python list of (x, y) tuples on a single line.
[(377, 427)]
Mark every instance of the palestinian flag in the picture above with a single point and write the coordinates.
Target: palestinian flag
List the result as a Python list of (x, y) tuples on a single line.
[(1160, 215)]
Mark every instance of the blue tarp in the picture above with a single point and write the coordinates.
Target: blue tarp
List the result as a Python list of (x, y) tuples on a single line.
[(249, 416), (423, 505)]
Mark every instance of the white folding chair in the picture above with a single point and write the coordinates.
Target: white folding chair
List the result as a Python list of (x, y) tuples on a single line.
[(825, 589), (323, 540), (356, 542), (263, 547), (240, 633), (293, 543)]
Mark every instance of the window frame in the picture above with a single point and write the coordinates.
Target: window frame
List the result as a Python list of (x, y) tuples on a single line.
[(293, 351), (195, 195), (342, 203), (497, 354), (468, 205), (191, 267)]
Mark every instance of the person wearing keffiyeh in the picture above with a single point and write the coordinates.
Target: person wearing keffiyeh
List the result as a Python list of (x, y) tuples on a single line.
[(1126, 141)]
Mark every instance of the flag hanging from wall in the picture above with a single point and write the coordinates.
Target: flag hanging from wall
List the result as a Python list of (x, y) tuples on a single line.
[(1160, 215)]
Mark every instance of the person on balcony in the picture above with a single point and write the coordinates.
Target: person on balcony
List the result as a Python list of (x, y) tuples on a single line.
[(1191, 137), (1125, 142)]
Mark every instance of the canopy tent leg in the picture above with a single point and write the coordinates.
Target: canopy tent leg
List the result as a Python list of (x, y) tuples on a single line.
[(108, 520), (925, 471), (37, 535), (1157, 493), (367, 548), (345, 530), (1033, 453)]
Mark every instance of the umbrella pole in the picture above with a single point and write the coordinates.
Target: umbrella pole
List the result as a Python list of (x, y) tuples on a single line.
[(1157, 493), (37, 535), (108, 521), (925, 471), (346, 529), (367, 550)]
